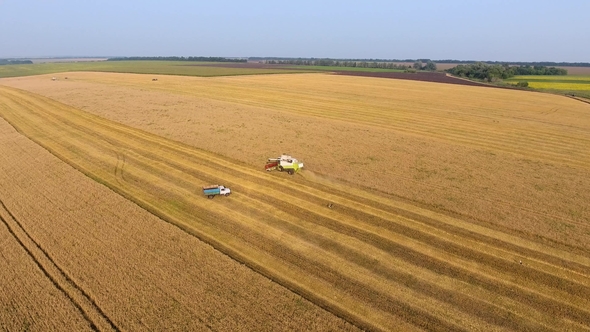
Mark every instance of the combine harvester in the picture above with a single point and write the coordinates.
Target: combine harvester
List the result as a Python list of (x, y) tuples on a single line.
[(283, 163)]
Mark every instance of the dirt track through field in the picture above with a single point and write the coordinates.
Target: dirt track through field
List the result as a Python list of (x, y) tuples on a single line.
[(46, 283), (379, 263), (97, 318)]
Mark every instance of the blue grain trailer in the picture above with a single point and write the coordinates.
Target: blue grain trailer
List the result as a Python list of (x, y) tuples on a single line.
[(214, 190)]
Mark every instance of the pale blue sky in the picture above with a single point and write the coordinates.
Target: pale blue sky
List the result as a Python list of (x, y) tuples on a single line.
[(502, 30)]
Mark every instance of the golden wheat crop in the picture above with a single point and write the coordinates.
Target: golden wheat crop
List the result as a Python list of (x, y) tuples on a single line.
[(379, 262), (516, 160), (29, 300), (76, 256)]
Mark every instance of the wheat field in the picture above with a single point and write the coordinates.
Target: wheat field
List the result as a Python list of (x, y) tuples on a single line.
[(76, 256), (389, 255), (516, 161)]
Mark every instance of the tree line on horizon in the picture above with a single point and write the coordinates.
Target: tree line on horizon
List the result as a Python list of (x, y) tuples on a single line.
[(179, 58), (15, 62), (521, 63), (338, 63), (490, 73), (514, 63)]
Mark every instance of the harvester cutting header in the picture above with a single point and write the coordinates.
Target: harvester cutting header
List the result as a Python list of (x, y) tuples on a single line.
[(284, 163)]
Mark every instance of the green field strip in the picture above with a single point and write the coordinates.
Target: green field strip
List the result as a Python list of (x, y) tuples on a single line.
[(550, 81), (182, 68), (565, 77)]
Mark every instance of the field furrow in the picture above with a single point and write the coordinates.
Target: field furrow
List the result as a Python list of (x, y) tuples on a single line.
[(378, 263)]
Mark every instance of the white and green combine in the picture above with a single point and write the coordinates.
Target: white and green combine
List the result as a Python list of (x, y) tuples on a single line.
[(284, 163)]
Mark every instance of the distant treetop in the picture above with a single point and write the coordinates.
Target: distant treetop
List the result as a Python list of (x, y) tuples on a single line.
[(179, 58), (516, 63), (542, 63), (490, 73), (15, 62)]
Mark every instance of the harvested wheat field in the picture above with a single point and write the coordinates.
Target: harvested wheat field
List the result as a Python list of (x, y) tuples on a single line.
[(455, 208), (76, 256), (516, 161)]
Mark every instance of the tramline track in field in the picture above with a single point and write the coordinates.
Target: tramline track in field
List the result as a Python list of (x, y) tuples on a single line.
[(95, 316)]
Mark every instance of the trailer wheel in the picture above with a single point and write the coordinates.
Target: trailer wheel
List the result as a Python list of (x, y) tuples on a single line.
[(210, 196)]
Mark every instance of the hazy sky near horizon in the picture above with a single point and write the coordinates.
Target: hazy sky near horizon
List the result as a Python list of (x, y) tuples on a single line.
[(501, 30)]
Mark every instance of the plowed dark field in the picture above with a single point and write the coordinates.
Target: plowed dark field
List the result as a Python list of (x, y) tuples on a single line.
[(420, 76)]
